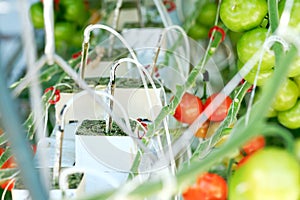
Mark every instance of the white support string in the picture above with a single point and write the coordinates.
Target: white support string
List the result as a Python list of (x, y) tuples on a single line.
[(30, 75), (90, 28), (86, 40), (163, 13), (285, 17), (35, 88), (184, 72), (49, 31), (115, 23), (143, 72), (169, 185)]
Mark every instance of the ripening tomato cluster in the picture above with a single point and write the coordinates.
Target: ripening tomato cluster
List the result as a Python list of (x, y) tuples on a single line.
[(257, 175), (258, 171), (70, 16), (191, 106)]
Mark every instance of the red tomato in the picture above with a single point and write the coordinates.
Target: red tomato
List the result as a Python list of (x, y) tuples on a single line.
[(192, 193), (209, 186), (10, 163), (189, 108), (219, 113), (9, 187), (253, 145), (34, 148)]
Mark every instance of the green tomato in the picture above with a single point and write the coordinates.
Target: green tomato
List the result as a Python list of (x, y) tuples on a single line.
[(235, 36), (75, 12), (207, 14), (63, 31), (262, 77), (37, 15), (286, 97), (290, 118), (198, 32), (297, 148), (271, 111), (77, 39), (297, 81), (240, 15), (295, 67), (250, 43), (294, 15), (268, 174)]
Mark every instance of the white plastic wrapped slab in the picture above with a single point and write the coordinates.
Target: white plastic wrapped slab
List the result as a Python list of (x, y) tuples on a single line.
[(134, 100), (110, 156)]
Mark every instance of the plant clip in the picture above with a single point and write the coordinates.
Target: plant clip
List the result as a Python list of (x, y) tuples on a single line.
[(144, 123), (218, 29), (250, 89), (56, 95), (170, 5), (76, 55)]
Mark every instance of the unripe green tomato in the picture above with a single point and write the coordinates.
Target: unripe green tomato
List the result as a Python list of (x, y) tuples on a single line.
[(290, 118), (63, 31), (268, 174), (198, 32), (297, 81), (37, 15), (251, 42), (75, 12), (235, 36), (77, 39), (207, 14), (297, 148), (295, 67), (271, 111), (241, 15), (262, 77), (286, 96)]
